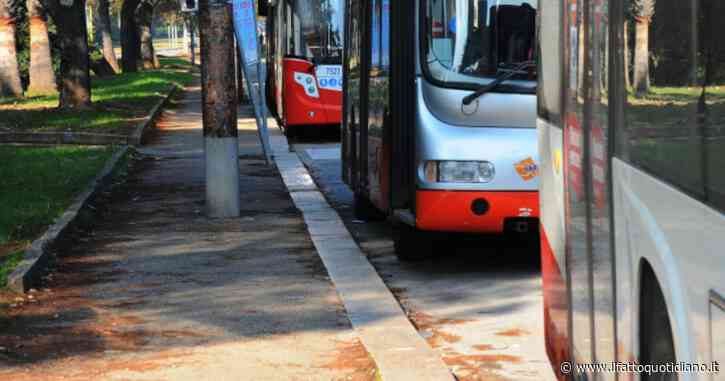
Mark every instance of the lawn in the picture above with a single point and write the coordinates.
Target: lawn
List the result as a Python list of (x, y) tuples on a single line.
[(673, 107), (37, 185), (666, 131), (119, 103)]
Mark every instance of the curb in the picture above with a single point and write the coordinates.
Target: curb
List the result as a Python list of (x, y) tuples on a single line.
[(90, 138), (136, 139), (36, 258), (398, 350)]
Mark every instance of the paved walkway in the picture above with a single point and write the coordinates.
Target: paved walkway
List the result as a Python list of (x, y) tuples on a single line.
[(156, 291), (400, 353)]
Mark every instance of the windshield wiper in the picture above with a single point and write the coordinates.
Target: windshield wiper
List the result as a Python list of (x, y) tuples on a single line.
[(507, 74)]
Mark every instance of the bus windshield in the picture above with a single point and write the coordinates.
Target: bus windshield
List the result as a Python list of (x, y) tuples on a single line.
[(471, 42), (318, 25)]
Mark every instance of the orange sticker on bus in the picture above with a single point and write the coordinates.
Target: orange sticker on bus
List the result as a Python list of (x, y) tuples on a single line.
[(527, 169)]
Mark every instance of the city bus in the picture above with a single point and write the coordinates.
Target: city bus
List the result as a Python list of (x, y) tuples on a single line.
[(439, 121), (304, 63), (632, 188)]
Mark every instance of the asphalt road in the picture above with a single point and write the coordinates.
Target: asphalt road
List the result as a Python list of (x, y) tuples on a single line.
[(479, 303)]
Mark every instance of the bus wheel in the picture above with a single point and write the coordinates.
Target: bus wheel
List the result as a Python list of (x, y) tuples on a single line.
[(656, 343), (365, 210), (291, 132), (412, 244)]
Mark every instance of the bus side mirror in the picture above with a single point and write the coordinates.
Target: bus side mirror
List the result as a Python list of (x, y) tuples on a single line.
[(263, 7)]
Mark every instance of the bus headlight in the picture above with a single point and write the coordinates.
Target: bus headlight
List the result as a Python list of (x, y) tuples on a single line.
[(459, 171), (307, 81)]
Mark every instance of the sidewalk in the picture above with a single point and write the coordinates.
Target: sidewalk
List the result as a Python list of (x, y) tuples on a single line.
[(156, 291)]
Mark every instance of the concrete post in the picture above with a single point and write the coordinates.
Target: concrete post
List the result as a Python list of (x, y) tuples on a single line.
[(219, 109)]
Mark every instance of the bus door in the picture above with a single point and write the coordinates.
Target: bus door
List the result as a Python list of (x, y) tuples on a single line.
[(355, 65), (351, 89), (402, 104), (377, 144), (586, 156), (378, 141), (642, 187)]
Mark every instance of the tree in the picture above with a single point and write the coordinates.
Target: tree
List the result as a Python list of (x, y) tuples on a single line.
[(219, 108), (191, 22), (42, 77), (627, 56), (10, 84), (643, 11), (130, 41), (144, 19), (103, 26), (70, 19)]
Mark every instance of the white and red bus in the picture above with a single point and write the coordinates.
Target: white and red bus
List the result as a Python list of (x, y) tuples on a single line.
[(632, 189), (304, 63), (439, 124)]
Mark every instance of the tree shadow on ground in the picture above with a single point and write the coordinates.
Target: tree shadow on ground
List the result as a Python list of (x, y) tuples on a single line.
[(155, 274)]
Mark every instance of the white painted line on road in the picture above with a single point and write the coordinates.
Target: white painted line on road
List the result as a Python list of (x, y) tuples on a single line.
[(399, 352)]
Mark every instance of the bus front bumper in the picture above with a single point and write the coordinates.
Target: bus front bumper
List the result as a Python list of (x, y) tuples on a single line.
[(473, 211)]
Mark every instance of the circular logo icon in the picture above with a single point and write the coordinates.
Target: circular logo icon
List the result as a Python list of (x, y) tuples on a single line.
[(565, 367)]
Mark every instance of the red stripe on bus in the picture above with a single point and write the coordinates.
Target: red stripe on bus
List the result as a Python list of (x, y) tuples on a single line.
[(451, 211), (555, 308)]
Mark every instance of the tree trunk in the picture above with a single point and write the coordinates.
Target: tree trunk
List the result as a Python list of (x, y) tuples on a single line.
[(217, 75), (130, 42), (192, 42), (694, 43), (42, 77), (219, 110), (144, 18), (641, 56), (627, 55), (157, 64), (75, 89), (89, 24), (10, 84), (103, 26)]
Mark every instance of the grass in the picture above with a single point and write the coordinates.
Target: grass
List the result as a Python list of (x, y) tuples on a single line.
[(37, 185), (8, 265), (119, 102), (670, 107), (665, 138)]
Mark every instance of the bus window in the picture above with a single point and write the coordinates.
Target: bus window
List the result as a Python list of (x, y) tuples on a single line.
[(375, 35), (675, 112), (712, 69), (471, 41), (320, 27), (549, 99), (385, 35)]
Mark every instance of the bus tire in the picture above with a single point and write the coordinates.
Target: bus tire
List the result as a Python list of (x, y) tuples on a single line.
[(291, 132), (656, 342), (365, 210), (412, 244)]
